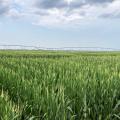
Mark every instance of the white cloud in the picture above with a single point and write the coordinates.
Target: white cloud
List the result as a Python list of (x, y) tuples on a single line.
[(60, 12)]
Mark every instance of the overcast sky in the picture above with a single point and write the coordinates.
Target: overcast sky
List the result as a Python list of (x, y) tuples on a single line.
[(60, 23)]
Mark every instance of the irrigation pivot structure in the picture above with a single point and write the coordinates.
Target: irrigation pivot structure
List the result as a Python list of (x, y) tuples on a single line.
[(25, 47)]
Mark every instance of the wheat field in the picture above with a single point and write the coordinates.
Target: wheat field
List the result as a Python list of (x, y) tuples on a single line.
[(59, 85)]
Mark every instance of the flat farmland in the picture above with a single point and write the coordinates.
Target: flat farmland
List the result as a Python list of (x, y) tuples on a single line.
[(59, 85)]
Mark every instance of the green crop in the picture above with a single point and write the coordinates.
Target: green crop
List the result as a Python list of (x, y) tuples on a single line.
[(46, 85)]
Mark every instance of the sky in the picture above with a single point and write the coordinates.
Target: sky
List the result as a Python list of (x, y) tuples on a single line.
[(60, 23)]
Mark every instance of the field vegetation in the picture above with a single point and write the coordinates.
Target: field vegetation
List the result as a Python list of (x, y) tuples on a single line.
[(47, 85)]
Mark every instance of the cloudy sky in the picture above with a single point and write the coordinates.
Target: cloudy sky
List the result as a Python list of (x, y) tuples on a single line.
[(60, 23)]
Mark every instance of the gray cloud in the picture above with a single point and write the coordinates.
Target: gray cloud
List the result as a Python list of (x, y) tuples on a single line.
[(53, 12), (98, 1), (41, 13), (110, 16), (4, 7), (3, 10), (48, 4)]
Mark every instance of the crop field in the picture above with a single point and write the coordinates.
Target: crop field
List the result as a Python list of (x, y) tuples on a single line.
[(49, 85)]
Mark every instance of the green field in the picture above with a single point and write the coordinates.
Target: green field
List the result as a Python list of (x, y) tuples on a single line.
[(47, 85)]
